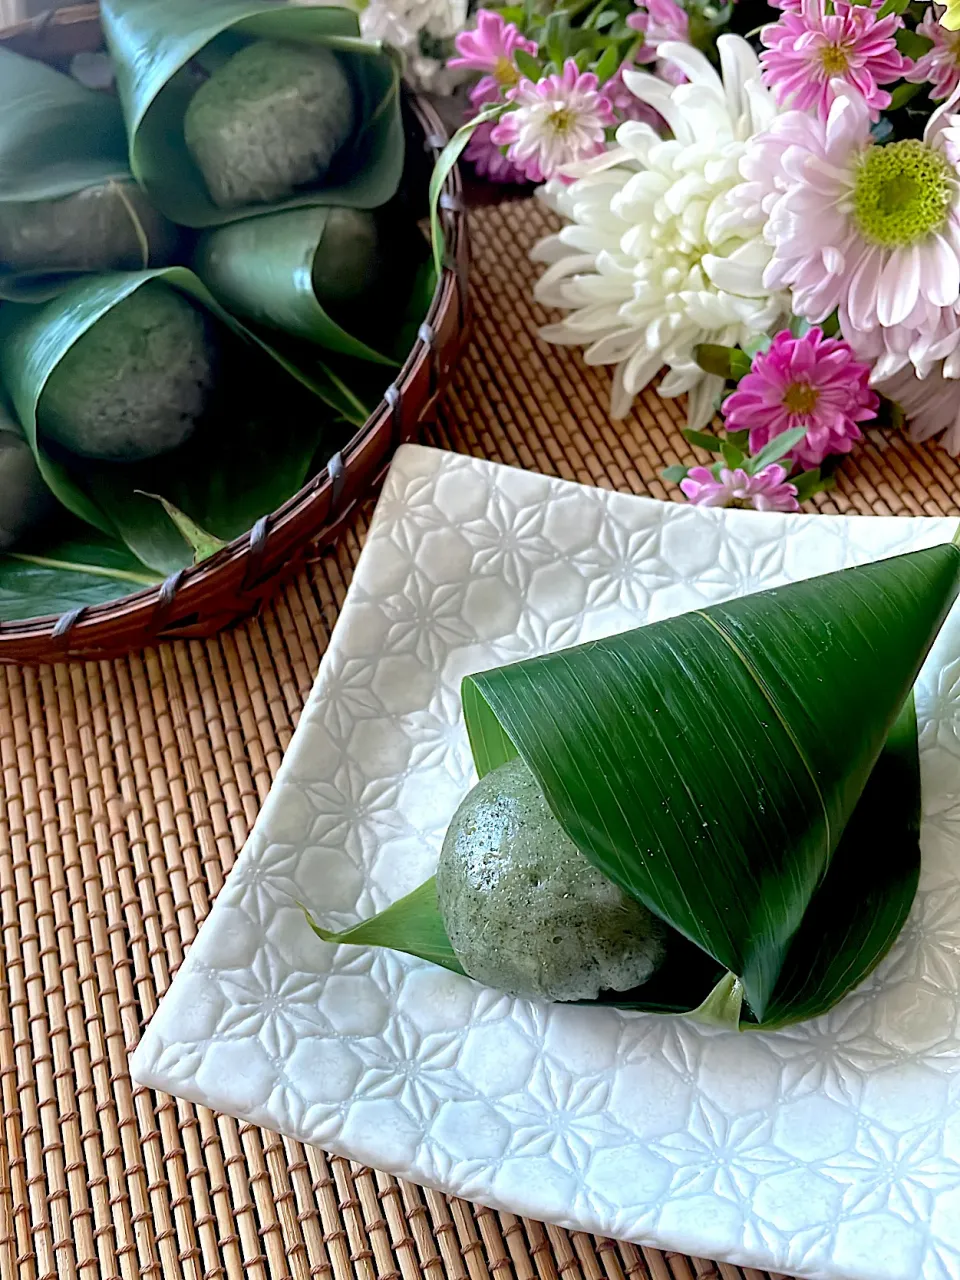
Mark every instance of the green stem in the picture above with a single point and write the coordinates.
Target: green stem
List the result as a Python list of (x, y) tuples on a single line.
[(956, 537), (99, 570)]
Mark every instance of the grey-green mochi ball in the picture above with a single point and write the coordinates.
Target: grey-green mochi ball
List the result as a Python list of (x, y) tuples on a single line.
[(93, 230), (348, 263), (269, 122), (137, 382), (524, 909), (24, 497)]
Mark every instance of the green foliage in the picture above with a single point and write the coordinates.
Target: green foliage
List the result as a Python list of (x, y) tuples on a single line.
[(68, 566)]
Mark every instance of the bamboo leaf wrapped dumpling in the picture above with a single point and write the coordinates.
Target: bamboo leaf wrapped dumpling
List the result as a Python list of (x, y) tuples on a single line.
[(236, 107), (748, 772), (67, 201), (323, 275), (137, 383), (204, 375), (111, 226), (268, 122), (25, 499)]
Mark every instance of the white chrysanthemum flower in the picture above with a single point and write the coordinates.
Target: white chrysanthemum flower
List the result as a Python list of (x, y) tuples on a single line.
[(419, 30), (655, 260), (399, 22)]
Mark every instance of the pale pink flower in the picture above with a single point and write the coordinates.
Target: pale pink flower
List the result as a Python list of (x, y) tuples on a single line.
[(491, 47), (487, 158), (660, 21), (808, 52), (812, 382), (626, 104), (931, 405), (941, 64), (872, 231), (557, 121), (768, 490)]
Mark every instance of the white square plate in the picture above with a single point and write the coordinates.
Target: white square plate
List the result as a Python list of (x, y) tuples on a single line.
[(828, 1150)]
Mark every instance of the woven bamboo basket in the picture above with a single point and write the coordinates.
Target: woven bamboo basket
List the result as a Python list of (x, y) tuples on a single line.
[(234, 582)]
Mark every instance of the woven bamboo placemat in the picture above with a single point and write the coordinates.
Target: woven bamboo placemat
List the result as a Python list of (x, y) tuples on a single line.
[(128, 787)]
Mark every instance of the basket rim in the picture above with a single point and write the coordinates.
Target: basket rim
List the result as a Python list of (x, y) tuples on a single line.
[(197, 579)]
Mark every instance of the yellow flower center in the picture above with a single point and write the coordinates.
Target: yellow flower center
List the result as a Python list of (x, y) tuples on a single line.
[(800, 398), (505, 73), (902, 193), (561, 120), (834, 60)]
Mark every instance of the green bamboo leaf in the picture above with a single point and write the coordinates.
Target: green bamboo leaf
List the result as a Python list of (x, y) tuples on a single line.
[(201, 543), (854, 918), (722, 1006), (240, 465), (68, 566), (56, 137), (790, 694), (153, 41), (262, 269), (412, 925)]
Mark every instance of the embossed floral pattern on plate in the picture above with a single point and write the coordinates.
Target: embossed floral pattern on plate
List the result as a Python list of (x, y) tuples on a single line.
[(828, 1150)]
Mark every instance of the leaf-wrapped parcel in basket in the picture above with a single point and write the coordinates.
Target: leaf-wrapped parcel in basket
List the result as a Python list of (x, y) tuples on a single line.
[(236, 107), (25, 499), (130, 386), (321, 275), (716, 814), (68, 203)]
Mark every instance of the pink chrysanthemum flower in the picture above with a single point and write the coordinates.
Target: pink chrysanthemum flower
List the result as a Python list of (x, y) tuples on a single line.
[(812, 382), (557, 121), (808, 52), (941, 64), (768, 490), (873, 231), (490, 47), (487, 158), (660, 21)]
